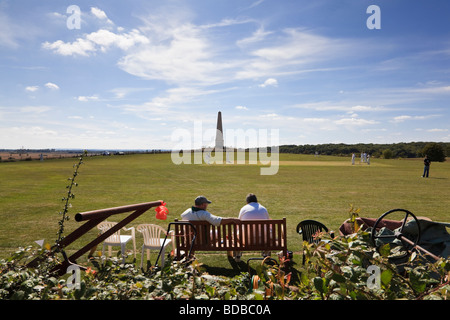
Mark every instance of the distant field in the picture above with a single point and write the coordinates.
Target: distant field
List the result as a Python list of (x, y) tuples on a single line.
[(17, 156), (305, 187), (333, 163)]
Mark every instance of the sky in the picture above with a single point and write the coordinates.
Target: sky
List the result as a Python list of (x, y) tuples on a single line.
[(135, 74)]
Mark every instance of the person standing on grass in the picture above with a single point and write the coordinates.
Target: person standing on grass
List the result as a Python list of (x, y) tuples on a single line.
[(426, 168), (198, 213)]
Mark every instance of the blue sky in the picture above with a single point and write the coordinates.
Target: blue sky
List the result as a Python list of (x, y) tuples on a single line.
[(134, 72)]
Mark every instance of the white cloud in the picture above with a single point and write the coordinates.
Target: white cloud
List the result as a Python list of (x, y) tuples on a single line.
[(87, 98), (11, 32), (184, 57), (180, 52), (123, 92), (434, 90), (105, 39), (52, 86), (30, 132), (48, 85), (437, 130), (80, 47), (100, 40), (269, 115), (269, 82), (294, 51), (191, 58), (256, 37), (403, 118), (363, 108), (100, 14), (336, 106), (32, 88), (355, 122), (172, 49), (57, 15), (160, 106), (315, 120), (254, 4), (299, 44), (34, 109)]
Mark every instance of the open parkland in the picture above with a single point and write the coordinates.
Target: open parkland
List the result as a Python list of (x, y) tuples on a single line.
[(305, 187)]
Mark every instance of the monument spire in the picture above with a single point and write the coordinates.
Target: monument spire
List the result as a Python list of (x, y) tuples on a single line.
[(219, 133)]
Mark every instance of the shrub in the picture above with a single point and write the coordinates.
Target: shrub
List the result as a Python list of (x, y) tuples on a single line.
[(388, 154), (108, 279), (338, 270), (334, 270), (434, 151)]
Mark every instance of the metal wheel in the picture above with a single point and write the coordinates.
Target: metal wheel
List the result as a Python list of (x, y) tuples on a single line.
[(408, 242)]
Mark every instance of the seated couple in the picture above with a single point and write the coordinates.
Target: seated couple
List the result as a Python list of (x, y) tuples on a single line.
[(251, 211)]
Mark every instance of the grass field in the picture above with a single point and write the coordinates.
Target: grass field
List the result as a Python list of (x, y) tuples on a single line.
[(305, 187)]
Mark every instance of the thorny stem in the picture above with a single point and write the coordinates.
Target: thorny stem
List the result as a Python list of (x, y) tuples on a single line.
[(66, 199)]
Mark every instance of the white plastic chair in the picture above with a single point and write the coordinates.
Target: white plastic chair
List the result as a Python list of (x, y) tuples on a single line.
[(153, 240), (116, 239)]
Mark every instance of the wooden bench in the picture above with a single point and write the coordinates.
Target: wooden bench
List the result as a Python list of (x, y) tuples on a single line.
[(247, 235)]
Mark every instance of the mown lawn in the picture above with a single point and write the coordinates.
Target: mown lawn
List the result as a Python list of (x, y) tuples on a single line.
[(305, 187)]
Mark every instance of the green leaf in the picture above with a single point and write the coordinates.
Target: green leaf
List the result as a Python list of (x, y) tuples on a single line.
[(18, 295), (258, 296), (210, 290), (416, 282), (385, 250), (386, 276), (319, 284), (338, 278), (304, 279), (79, 293)]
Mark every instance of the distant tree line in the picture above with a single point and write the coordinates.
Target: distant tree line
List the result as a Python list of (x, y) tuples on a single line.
[(436, 151)]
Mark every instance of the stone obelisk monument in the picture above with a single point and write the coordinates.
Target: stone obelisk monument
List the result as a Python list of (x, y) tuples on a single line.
[(219, 133)]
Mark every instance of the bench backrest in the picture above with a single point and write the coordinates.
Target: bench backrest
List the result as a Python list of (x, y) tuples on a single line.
[(248, 235)]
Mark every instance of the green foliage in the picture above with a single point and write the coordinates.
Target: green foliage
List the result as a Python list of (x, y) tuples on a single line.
[(110, 280), (354, 214), (388, 151), (388, 154), (272, 281), (337, 270), (434, 151), (17, 282)]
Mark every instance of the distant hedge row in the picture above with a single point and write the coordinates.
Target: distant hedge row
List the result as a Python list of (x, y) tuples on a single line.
[(397, 150)]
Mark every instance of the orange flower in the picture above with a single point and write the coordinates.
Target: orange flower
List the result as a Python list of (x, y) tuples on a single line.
[(89, 270)]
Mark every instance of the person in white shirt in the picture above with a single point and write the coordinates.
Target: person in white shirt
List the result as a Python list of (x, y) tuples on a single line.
[(253, 210), (198, 213)]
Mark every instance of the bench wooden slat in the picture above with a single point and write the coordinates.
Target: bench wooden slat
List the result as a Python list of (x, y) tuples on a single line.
[(248, 235)]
